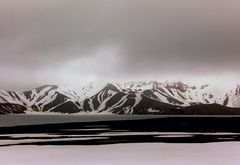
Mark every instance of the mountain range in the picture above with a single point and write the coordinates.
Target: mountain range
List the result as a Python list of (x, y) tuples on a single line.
[(166, 98)]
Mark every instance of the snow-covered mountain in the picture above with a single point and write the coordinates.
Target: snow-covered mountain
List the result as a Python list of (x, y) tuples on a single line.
[(6, 108), (41, 99), (122, 98), (46, 98), (12, 97)]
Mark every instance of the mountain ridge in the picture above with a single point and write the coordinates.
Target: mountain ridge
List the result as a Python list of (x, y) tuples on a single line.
[(122, 98)]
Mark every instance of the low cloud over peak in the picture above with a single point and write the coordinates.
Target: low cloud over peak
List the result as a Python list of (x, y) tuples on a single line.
[(80, 40)]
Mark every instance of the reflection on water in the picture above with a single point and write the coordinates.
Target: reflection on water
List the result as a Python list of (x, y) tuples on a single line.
[(113, 137), (170, 130)]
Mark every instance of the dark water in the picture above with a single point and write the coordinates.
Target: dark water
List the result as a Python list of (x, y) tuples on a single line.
[(108, 129)]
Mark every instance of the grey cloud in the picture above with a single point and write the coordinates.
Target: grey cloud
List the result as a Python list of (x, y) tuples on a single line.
[(154, 36)]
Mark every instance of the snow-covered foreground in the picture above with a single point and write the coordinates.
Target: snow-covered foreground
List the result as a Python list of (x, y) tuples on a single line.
[(127, 154)]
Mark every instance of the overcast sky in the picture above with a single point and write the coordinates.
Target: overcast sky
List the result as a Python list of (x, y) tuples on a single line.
[(69, 42)]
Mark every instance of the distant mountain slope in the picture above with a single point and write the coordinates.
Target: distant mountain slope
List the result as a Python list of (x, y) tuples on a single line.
[(176, 93), (126, 98), (210, 109), (232, 98), (12, 97), (67, 107), (6, 108), (46, 98)]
